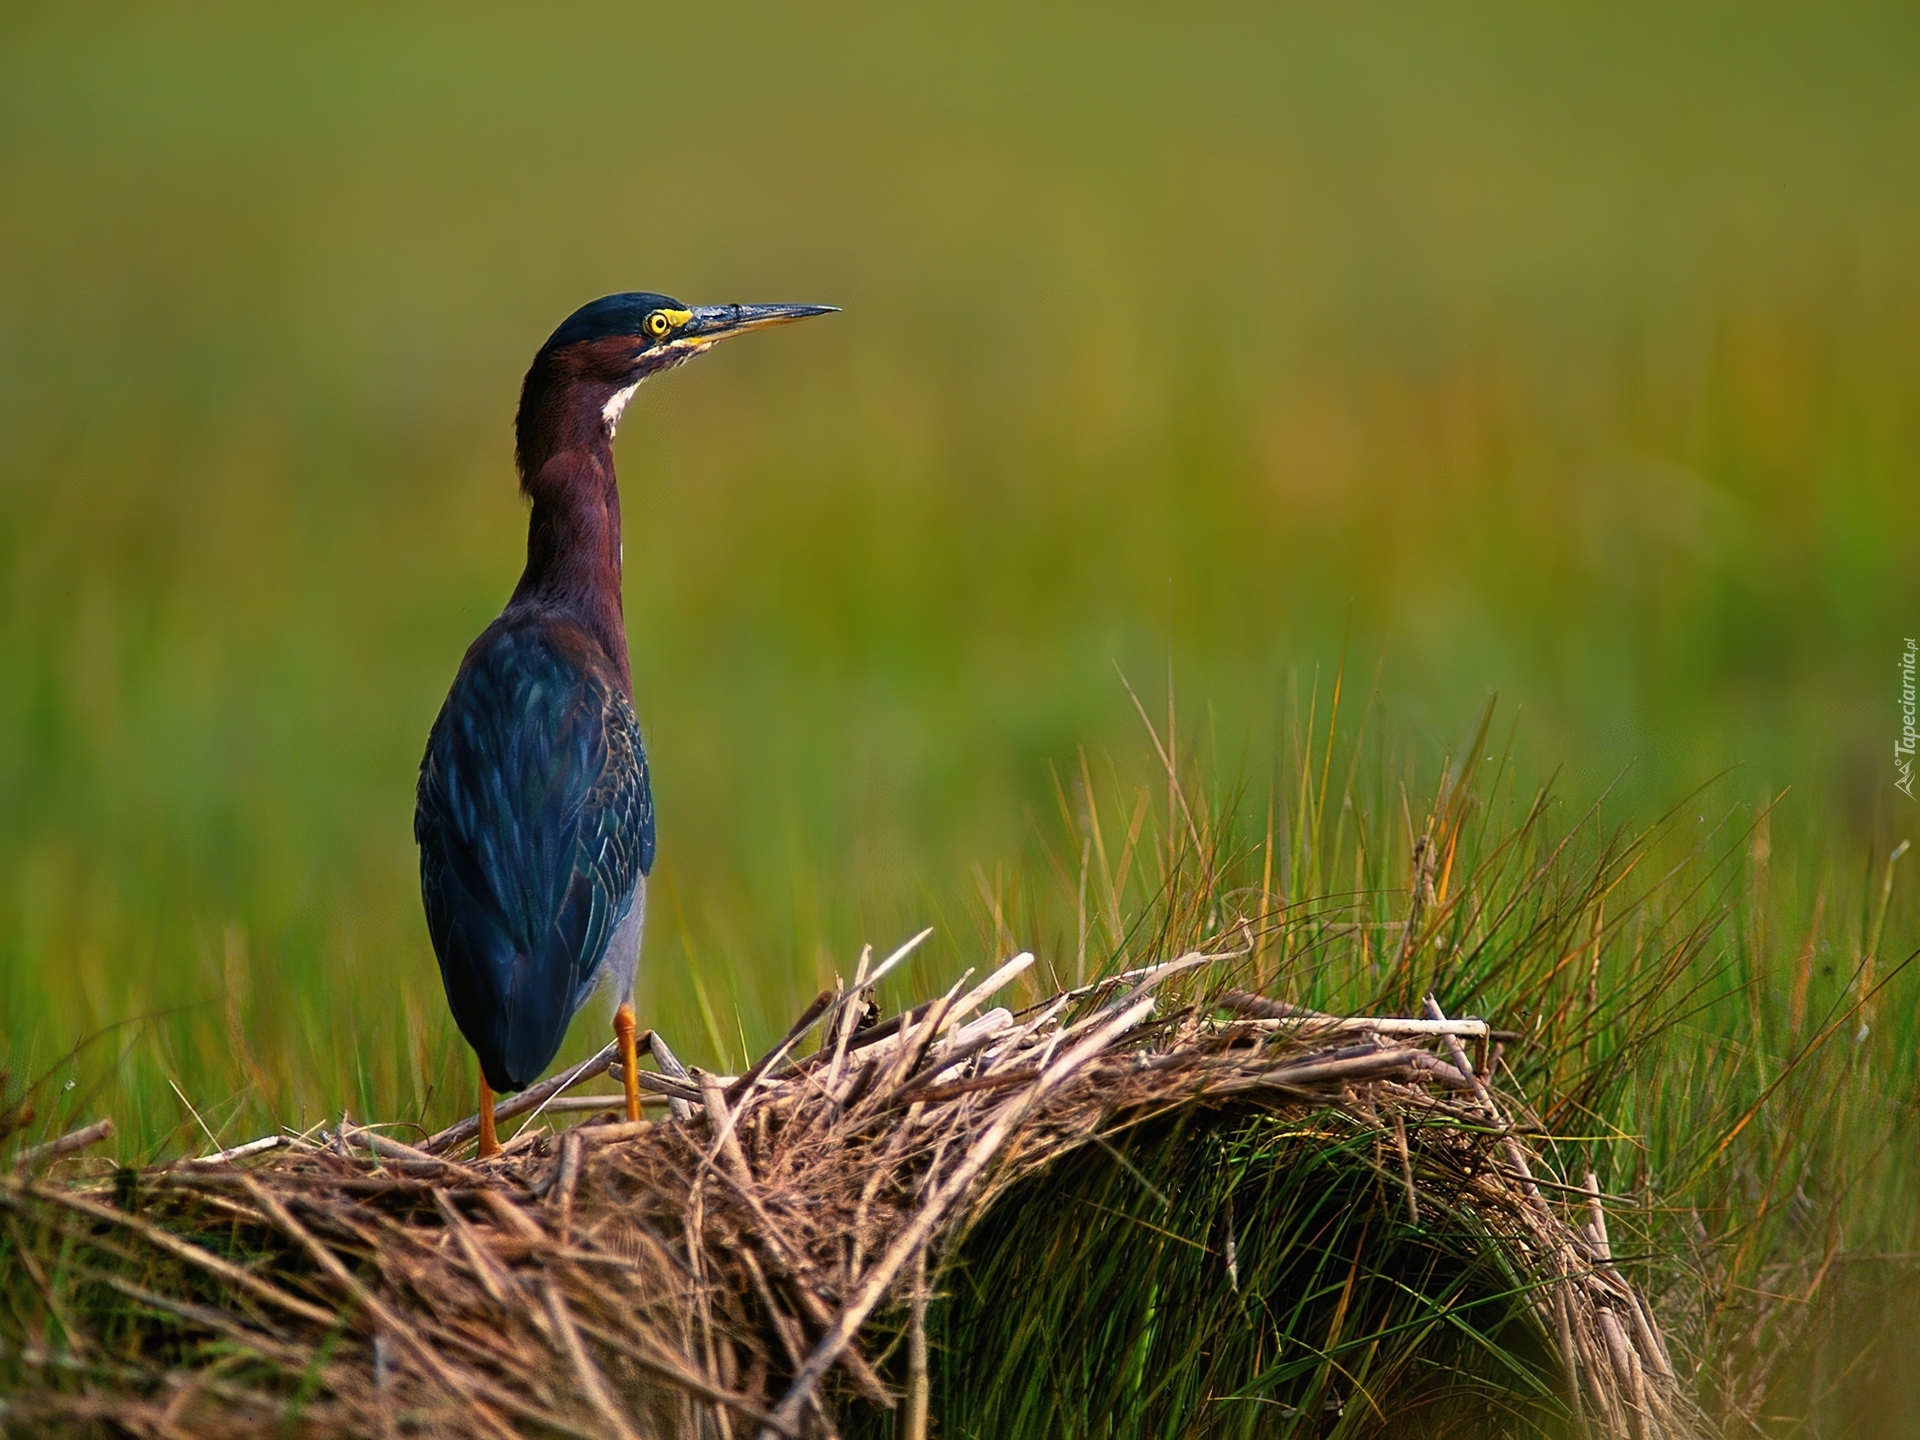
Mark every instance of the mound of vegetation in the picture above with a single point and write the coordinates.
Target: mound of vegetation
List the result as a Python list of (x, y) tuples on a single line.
[(1161, 1206)]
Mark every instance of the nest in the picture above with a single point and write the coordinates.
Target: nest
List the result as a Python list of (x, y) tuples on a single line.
[(770, 1256)]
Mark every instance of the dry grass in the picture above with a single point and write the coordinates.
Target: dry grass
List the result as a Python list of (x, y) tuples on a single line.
[(740, 1266)]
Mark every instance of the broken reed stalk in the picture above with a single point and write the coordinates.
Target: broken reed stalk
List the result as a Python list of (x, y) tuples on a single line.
[(70, 1143), (734, 1270)]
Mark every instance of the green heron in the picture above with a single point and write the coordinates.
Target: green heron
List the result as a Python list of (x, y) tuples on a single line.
[(534, 814)]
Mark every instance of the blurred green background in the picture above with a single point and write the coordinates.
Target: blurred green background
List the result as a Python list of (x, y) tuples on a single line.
[(1570, 353)]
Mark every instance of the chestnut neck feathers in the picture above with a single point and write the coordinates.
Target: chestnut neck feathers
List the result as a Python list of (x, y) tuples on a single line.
[(565, 454)]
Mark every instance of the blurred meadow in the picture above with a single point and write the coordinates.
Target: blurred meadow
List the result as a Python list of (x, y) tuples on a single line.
[(1570, 355)]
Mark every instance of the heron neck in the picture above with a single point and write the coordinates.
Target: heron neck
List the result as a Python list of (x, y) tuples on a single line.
[(573, 546)]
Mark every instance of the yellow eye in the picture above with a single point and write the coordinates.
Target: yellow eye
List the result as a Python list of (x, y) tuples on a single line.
[(658, 324)]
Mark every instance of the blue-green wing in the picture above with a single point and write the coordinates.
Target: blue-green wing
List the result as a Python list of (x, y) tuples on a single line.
[(534, 817)]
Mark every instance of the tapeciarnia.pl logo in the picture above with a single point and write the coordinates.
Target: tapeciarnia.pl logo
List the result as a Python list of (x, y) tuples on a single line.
[(1903, 747)]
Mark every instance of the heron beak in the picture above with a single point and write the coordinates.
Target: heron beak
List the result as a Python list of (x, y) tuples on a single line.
[(711, 324)]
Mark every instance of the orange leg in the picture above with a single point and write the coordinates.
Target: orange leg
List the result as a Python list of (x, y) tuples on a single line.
[(629, 1058), (489, 1141)]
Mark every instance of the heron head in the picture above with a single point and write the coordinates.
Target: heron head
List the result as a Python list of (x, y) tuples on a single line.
[(590, 367)]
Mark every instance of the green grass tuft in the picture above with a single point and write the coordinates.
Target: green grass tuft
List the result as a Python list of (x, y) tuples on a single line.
[(1236, 1275)]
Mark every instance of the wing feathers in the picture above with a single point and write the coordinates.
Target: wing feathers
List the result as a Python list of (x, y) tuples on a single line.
[(535, 822)]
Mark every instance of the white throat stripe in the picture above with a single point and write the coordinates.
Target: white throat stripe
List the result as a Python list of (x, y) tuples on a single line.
[(616, 406)]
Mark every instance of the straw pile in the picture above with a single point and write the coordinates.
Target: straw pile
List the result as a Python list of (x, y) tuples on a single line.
[(762, 1259)]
